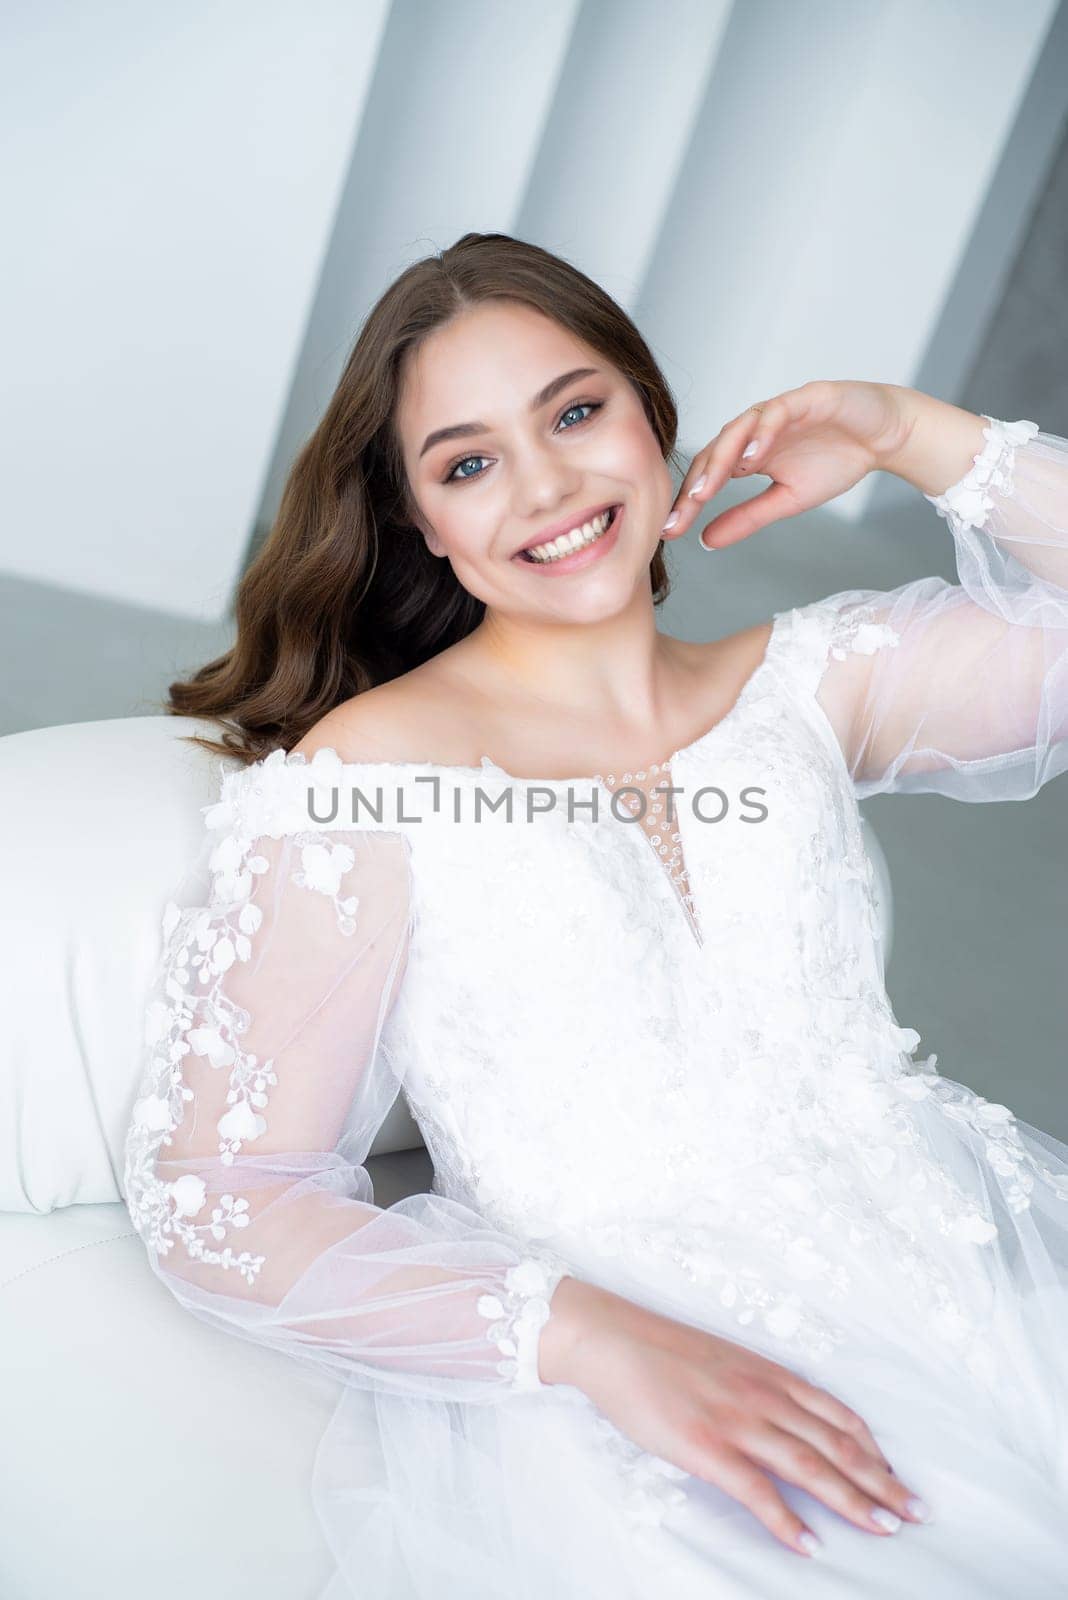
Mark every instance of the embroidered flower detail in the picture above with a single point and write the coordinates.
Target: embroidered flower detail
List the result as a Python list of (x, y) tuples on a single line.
[(871, 636), (967, 504), (976, 1228), (862, 638), (210, 1042), (152, 1113), (529, 1277), (190, 1012), (520, 1315), (322, 867), (237, 1125), (234, 869), (784, 1319), (228, 1211), (188, 1194), (157, 1022)]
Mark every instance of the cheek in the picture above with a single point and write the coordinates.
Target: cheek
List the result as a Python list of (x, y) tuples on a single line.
[(463, 535), (636, 453)]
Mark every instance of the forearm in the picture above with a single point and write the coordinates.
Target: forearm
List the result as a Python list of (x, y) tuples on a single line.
[(583, 1318), (942, 441), (574, 1309)]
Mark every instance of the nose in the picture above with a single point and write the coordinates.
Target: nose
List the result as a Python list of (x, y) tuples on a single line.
[(544, 483)]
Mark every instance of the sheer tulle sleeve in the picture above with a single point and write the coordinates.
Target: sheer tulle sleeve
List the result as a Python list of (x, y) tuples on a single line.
[(264, 1086), (962, 689)]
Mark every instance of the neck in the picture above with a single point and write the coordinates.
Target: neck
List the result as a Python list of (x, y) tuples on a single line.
[(612, 670)]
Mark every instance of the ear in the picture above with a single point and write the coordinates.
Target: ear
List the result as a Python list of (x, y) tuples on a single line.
[(430, 538), (433, 543)]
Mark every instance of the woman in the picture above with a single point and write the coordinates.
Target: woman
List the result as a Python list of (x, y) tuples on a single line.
[(712, 1274)]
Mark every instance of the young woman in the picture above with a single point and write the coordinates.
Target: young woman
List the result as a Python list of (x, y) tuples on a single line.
[(713, 1274)]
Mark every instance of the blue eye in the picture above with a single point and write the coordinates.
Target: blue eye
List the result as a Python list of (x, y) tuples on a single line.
[(580, 405), (463, 463)]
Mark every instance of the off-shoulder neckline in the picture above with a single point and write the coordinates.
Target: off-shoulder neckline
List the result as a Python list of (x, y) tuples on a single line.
[(327, 755)]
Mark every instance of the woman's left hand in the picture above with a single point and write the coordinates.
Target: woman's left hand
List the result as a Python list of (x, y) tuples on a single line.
[(814, 443)]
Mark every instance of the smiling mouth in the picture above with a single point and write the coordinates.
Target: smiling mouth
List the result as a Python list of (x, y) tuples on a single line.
[(549, 553)]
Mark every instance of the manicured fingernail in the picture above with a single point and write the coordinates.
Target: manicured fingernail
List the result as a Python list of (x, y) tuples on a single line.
[(885, 1519), (671, 521), (809, 1543), (709, 547), (699, 485), (751, 449), (916, 1508)]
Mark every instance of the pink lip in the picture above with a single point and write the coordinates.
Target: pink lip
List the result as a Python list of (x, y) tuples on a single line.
[(578, 558), (547, 535)]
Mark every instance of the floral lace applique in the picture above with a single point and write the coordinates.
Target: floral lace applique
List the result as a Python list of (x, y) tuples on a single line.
[(322, 867), (968, 503), (521, 1315), (853, 632), (199, 947), (1015, 1167), (698, 1254)]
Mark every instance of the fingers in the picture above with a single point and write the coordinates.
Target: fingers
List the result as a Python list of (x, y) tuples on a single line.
[(739, 1477), (852, 1456), (725, 458), (832, 1410), (740, 521), (843, 1474), (709, 471)]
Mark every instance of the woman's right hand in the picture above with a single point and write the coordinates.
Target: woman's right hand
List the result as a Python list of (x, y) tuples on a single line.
[(719, 1411)]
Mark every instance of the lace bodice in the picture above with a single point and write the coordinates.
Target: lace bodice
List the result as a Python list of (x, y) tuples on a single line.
[(618, 1044)]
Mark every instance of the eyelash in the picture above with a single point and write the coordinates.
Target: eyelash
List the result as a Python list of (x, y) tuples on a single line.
[(592, 406)]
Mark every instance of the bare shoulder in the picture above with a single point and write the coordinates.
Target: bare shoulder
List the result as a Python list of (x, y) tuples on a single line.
[(397, 721), (749, 645), (726, 663)]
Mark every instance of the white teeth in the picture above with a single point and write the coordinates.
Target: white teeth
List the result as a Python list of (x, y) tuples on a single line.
[(567, 543)]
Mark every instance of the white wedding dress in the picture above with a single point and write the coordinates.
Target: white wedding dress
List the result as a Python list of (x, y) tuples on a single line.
[(658, 1058)]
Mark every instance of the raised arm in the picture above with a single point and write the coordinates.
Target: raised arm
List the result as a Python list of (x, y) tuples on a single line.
[(962, 690), (265, 1083)]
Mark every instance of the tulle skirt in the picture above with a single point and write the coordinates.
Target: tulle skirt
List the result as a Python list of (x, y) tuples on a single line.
[(955, 1354)]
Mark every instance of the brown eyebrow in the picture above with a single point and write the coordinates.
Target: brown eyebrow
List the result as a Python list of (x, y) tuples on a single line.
[(462, 430)]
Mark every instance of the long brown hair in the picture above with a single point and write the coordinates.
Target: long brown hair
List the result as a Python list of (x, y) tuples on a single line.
[(343, 594)]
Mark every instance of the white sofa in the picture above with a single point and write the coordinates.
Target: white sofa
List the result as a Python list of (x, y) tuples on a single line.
[(145, 1455)]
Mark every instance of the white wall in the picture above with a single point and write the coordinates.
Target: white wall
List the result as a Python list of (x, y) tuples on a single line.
[(831, 187), (170, 178)]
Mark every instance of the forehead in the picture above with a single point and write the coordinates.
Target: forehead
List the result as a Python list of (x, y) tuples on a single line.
[(489, 359)]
